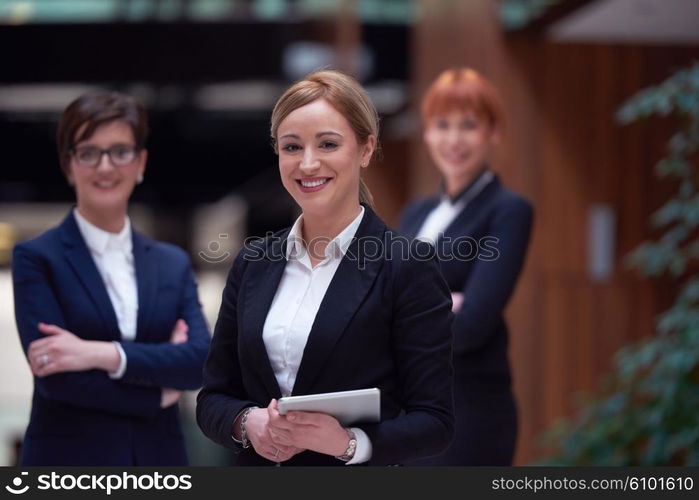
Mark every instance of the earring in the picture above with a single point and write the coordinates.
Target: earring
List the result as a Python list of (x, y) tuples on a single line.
[(363, 165), (139, 179)]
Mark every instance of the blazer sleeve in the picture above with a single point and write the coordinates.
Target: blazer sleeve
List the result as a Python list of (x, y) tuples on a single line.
[(422, 339), (35, 302), (167, 365), (491, 282), (223, 396)]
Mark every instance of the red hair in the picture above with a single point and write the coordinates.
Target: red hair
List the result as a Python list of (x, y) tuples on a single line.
[(464, 90)]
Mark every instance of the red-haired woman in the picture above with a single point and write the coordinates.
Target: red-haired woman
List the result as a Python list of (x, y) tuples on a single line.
[(481, 230)]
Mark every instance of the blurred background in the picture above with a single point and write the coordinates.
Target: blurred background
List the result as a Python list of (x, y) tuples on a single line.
[(209, 72)]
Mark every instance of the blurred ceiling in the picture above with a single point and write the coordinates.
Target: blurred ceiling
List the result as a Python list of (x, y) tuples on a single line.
[(134, 11), (641, 22), (631, 21), (208, 71)]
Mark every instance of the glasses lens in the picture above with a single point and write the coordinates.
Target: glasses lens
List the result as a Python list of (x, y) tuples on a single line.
[(87, 157), (122, 155)]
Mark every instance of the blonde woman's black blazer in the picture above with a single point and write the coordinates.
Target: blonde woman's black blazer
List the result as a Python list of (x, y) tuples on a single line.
[(385, 322)]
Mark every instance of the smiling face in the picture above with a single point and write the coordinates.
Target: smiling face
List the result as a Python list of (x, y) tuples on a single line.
[(320, 159), (459, 144), (106, 189)]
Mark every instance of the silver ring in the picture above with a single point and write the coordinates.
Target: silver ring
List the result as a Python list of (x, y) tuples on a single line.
[(276, 453), (44, 359)]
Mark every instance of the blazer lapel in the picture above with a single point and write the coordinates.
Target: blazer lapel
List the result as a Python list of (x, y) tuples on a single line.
[(472, 211), (413, 226), (347, 290), (80, 259), (260, 285), (146, 269)]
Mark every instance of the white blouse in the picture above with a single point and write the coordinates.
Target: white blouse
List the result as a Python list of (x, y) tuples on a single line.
[(445, 212), (294, 308), (113, 256)]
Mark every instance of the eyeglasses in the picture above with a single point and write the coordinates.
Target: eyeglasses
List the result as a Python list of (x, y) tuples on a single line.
[(120, 155)]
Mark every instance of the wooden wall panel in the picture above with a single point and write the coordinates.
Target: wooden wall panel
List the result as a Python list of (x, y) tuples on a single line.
[(386, 178)]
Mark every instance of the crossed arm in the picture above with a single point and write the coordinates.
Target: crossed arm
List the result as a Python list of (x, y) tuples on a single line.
[(479, 306), (68, 368)]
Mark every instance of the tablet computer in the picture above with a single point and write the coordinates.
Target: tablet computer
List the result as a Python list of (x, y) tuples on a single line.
[(348, 407)]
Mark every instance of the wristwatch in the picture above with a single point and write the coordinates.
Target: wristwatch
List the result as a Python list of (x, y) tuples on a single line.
[(351, 447)]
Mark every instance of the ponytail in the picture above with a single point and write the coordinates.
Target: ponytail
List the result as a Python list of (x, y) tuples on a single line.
[(365, 195)]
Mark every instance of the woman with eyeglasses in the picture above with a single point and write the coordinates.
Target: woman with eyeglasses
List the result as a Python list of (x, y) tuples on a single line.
[(109, 319)]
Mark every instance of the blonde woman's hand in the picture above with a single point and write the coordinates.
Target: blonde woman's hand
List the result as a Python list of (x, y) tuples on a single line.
[(307, 430), (258, 433)]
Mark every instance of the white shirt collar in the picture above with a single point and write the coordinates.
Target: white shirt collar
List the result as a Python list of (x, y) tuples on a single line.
[(471, 191), (98, 240), (337, 247)]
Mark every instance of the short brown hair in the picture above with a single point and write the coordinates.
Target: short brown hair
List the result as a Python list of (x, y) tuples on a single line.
[(463, 89), (93, 109), (345, 94)]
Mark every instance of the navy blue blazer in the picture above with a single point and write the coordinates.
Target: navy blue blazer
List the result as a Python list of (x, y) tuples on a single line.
[(86, 418), (481, 255), (491, 235), (385, 322)]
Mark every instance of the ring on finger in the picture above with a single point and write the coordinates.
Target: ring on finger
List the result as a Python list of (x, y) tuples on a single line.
[(44, 359), (276, 453)]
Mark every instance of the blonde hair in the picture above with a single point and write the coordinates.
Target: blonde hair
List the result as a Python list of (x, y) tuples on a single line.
[(344, 94)]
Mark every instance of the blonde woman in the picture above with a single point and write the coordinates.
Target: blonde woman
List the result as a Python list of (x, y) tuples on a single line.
[(309, 311)]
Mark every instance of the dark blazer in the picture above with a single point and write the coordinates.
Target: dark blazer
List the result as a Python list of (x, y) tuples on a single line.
[(86, 418), (491, 236), (384, 322)]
